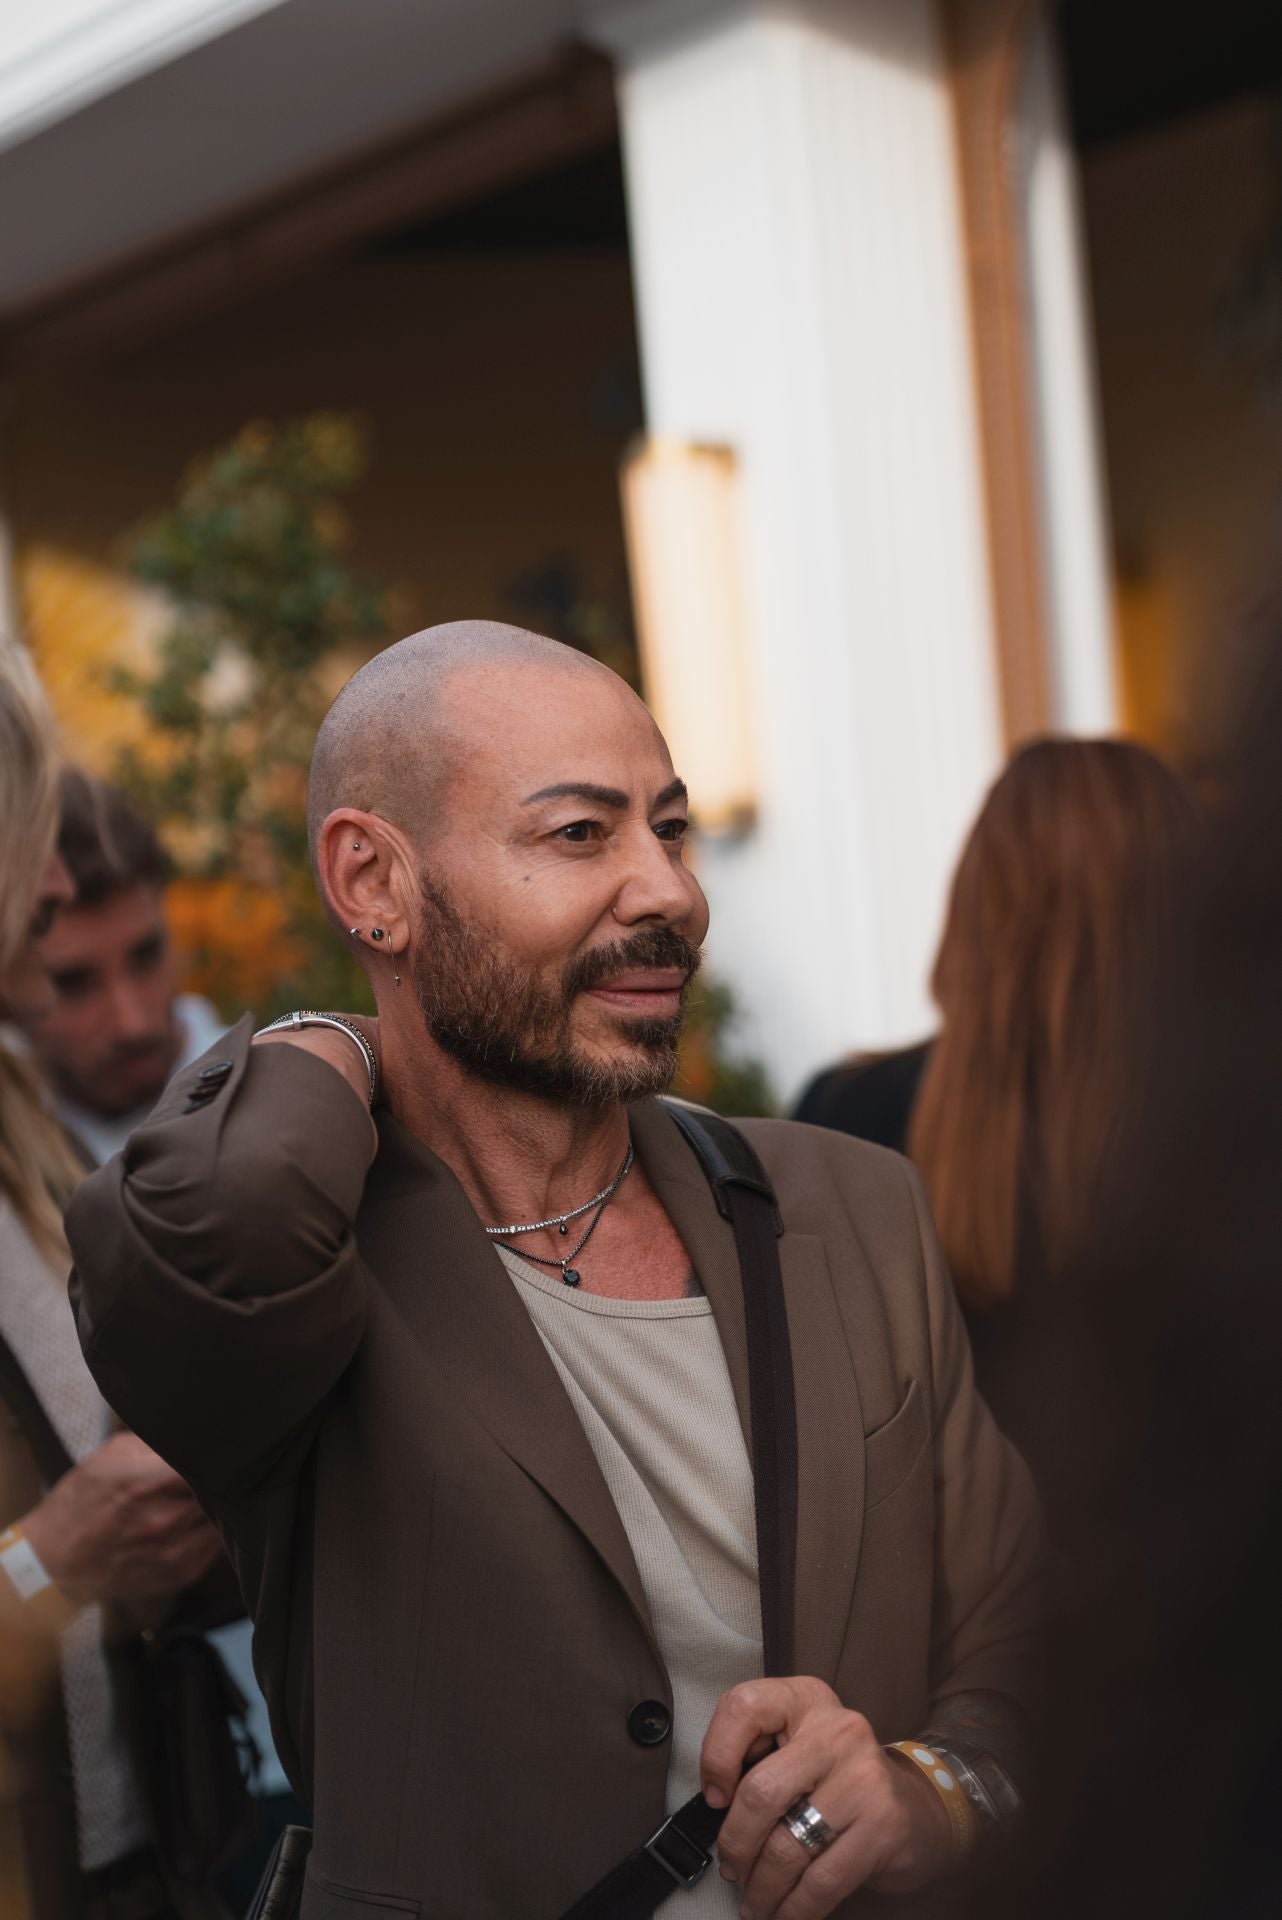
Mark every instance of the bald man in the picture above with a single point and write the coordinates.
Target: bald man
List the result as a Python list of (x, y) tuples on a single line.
[(464, 1381)]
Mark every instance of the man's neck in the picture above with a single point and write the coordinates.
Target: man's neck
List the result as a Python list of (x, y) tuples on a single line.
[(518, 1158)]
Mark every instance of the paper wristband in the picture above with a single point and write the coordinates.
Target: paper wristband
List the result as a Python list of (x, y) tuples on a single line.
[(31, 1581), (961, 1817)]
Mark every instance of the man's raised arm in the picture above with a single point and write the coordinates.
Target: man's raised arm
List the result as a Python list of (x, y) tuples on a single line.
[(217, 1287)]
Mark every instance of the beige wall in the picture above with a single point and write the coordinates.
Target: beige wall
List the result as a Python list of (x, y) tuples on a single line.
[(492, 386), (1192, 432)]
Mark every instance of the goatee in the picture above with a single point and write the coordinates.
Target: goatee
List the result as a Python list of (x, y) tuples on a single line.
[(514, 1027)]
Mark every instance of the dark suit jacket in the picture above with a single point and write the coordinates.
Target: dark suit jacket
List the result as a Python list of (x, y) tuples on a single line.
[(451, 1630), (871, 1098)]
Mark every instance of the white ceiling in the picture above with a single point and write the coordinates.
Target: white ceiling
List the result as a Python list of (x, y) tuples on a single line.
[(297, 85)]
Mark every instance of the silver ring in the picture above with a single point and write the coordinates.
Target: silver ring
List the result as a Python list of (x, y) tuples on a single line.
[(808, 1827)]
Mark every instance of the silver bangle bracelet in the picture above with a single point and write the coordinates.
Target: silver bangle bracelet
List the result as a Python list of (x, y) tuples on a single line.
[(296, 1021)]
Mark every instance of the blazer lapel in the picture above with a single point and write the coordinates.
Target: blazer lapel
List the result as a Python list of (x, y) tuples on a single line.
[(458, 1302), (830, 1431)]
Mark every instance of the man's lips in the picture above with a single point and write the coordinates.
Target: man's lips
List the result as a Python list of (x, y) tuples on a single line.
[(646, 990)]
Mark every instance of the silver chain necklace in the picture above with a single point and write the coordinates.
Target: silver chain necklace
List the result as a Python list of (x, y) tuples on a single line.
[(569, 1273)]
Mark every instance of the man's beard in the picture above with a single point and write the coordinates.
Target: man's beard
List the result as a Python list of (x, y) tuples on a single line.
[(513, 1027)]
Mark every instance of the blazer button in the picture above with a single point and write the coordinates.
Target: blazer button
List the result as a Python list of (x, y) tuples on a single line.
[(217, 1070), (649, 1723)]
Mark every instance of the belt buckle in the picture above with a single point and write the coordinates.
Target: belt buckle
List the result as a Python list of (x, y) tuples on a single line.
[(688, 1863)]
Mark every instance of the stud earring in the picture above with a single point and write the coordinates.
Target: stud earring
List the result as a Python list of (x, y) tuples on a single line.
[(377, 934), (355, 932), (356, 846)]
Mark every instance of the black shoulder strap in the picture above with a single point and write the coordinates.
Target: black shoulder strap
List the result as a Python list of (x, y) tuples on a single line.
[(680, 1851), (23, 1402), (745, 1197)]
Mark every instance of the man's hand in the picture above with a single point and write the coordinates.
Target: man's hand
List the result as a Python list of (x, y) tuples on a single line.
[(122, 1526), (892, 1828)]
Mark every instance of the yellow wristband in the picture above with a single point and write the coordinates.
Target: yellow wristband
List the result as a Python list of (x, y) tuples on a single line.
[(32, 1582), (961, 1815)]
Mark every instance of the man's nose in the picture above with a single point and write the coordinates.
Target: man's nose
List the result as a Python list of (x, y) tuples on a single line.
[(57, 883), (131, 1015), (656, 886)]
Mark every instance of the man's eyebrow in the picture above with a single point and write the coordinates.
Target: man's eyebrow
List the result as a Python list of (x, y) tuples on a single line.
[(612, 797), (580, 790)]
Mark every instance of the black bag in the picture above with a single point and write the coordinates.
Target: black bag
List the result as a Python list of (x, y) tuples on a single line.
[(200, 1760), (203, 1761)]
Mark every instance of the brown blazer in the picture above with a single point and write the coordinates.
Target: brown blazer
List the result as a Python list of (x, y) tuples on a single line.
[(450, 1628)]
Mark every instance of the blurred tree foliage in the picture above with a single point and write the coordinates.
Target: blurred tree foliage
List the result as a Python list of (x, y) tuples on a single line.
[(269, 619), (712, 1071)]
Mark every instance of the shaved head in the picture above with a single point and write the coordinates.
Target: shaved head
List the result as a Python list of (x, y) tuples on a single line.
[(495, 820), (391, 738)]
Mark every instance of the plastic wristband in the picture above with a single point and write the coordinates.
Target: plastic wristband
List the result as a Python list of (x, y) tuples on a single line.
[(961, 1817)]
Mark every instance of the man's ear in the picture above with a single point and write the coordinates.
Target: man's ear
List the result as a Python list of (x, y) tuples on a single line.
[(366, 873)]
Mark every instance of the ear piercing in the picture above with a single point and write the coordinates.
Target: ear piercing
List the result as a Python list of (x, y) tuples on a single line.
[(380, 933)]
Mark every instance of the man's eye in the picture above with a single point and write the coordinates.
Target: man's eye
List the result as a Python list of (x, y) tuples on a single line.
[(577, 832), (74, 984), (675, 830), (147, 956)]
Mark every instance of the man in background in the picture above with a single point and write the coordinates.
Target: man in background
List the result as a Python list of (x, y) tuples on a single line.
[(116, 1032), (119, 1027)]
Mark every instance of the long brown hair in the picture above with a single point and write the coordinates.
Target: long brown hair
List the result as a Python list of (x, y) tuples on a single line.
[(37, 1168), (1068, 880)]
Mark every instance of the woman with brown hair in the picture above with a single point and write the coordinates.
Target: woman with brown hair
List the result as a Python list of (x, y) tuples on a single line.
[(1059, 904)]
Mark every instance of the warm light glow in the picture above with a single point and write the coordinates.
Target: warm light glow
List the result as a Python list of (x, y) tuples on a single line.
[(680, 511)]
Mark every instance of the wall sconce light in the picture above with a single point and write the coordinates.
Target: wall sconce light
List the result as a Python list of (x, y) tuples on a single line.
[(680, 515)]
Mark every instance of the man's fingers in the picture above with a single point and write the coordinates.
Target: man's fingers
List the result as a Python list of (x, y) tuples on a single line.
[(829, 1880), (759, 1708), (761, 1797)]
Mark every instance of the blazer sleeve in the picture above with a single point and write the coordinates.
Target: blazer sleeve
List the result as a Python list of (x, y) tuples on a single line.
[(989, 1546), (217, 1289)]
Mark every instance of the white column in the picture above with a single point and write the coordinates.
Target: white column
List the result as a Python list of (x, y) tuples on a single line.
[(1074, 500), (801, 298)]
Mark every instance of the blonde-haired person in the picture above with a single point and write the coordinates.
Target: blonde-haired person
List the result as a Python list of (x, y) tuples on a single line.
[(1064, 893), (92, 1522)]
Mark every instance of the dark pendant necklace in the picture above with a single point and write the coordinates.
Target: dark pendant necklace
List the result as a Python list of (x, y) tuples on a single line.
[(566, 1267)]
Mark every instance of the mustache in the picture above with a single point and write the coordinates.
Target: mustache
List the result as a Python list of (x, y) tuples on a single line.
[(657, 947)]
